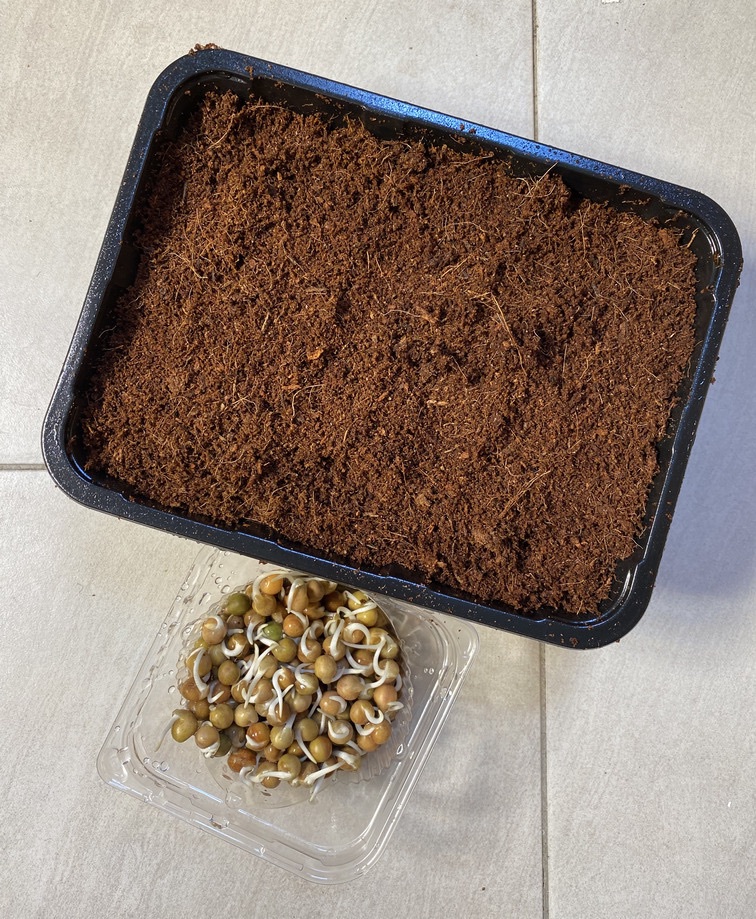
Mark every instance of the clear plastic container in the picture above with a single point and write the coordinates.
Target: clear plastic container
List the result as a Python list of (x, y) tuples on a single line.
[(343, 831), (706, 229)]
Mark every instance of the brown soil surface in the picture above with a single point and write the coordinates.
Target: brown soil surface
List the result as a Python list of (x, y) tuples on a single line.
[(393, 353)]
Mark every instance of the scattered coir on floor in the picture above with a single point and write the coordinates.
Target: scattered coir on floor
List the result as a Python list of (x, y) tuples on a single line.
[(393, 353)]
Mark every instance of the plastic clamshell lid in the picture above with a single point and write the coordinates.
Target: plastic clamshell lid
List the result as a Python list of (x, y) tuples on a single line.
[(344, 830)]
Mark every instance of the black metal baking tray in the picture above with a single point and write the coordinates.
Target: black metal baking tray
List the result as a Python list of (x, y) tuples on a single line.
[(712, 237)]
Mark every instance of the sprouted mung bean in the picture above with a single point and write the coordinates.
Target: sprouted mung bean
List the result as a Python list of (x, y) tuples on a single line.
[(292, 679)]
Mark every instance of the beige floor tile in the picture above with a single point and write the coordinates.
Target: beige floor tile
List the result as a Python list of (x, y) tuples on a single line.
[(75, 75), (651, 757), (651, 767), (84, 596)]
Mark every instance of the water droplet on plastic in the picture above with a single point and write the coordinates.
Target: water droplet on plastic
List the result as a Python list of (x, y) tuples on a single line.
[(117, 728), (225, 589), (163, 767), (400, 749), (171, 689), (171, 673), (204, 598), (146, 761), (187, 631)]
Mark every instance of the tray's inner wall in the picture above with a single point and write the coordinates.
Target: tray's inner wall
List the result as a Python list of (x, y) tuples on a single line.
[(388, 126)]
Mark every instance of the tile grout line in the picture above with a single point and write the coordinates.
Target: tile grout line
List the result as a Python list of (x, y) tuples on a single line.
[(544, 786), (534, 58), (22, 467), (542, 648)]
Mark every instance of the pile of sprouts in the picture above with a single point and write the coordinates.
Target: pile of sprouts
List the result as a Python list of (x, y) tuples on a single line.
[(292, 678)]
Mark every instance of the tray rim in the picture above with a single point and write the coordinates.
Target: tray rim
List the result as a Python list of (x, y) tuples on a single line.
[(638, 587)]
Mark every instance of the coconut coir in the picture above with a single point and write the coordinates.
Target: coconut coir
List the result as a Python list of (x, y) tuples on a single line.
[(393, 353)]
